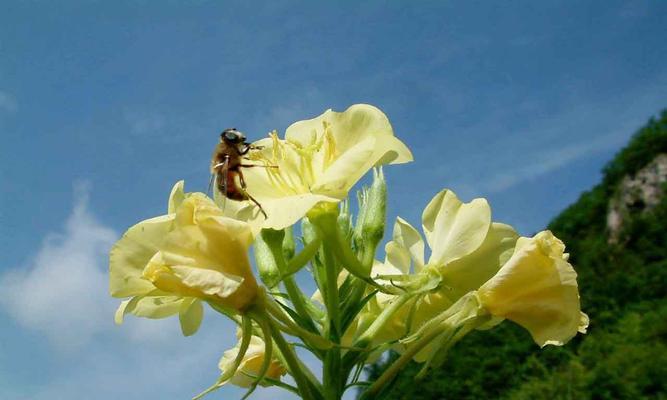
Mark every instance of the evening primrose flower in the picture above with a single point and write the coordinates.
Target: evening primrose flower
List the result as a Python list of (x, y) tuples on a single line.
[(537, 289), (319, 161), (169, 264), (251, 364), (467, 249)]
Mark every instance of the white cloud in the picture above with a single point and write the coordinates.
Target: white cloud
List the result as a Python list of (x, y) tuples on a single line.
[(63, 292), (7, 102), (552, 160), (58, 292)]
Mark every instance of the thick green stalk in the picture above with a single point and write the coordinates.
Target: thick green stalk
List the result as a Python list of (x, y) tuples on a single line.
[(298, 301), (311, 339), (366, 338), (332, 361), (385, 316), (307, 388), (301, 259)]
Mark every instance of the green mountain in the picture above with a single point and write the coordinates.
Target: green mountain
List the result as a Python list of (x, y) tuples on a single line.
[(617, 236)]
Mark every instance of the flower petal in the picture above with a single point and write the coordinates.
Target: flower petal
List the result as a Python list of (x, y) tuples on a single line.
[(409, 238), (176, 274), (190, 315), (131, 253), (149, 306), (286, 211), (251, 364), (537, 289), (347, 169), (469, 273), (176, 196), (454, 229)]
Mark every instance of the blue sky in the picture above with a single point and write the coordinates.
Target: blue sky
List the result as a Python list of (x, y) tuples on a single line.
[(104, 105)]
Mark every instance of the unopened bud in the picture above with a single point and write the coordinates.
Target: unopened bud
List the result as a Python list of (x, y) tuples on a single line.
[(345, 219), (289, 247), (372, 211), (268, 248)]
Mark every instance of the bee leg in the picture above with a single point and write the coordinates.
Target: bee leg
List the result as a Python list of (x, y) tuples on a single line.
[(242, 180), (257, 204), (243, 186), (257, 165), (249, 147)]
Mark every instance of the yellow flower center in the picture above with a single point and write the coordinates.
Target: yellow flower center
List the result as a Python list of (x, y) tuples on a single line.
[(299, 164)]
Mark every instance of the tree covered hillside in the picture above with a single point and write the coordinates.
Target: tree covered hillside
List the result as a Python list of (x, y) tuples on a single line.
[(617, 236)]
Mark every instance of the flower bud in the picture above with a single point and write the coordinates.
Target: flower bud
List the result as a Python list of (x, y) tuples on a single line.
[(308, 231), (289, 246), (372, 212), (345, 219), (269, 245)]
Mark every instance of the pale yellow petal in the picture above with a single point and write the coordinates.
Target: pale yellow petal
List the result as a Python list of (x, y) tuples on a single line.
[(469, 273), (286, 211), (131, 253), (346, 170), (154, 307), (175, 273), (454, 229), (537, 289), (397, 258), (251, 364), (176, 196), (120, 311), (190, 315), (391, 150), (409, 238), (349, 127)]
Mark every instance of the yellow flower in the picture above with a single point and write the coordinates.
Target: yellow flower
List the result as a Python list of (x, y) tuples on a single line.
[(319, 161), (467, 249), (250, 365), (170, 263), (537, 289)]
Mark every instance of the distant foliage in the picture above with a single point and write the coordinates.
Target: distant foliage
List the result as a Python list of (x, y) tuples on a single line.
[(623, 289)]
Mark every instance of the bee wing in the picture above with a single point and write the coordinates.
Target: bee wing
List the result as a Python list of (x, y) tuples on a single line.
[(219, 197), (210, 185)]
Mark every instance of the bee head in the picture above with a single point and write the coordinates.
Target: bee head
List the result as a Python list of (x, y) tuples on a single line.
[(232, 136)]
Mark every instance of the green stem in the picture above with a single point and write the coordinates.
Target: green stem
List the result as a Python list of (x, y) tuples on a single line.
[(366, 338), (302, 378), (332, 360), (335, 239), (385, 316), (268, 354), (301, 259), (298, 301), (307, 336), (332, 301)]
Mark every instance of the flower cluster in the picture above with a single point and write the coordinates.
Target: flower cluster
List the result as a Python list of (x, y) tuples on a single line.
[(475, 274)]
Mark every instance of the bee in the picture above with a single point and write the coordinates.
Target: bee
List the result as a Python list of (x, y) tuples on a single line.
[(227, 164)]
